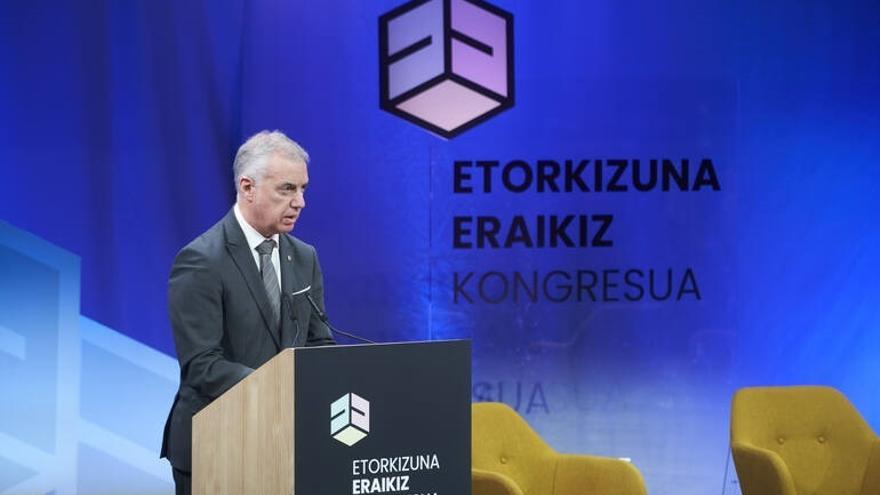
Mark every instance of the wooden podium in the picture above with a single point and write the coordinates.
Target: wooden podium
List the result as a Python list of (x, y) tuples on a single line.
[(358, 419)]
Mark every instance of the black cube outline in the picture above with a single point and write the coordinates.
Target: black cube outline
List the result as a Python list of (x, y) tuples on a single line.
[(390, 104)]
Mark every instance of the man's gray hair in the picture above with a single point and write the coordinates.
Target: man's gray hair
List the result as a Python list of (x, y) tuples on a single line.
[(251, 158)]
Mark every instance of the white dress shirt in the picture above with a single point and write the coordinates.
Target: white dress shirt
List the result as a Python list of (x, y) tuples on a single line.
[(255, 238)]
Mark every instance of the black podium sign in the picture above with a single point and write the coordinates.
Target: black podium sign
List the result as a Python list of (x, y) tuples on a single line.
[(383, 418)]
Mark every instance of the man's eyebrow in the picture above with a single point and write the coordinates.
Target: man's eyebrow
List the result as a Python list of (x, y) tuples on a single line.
[(287, 185)]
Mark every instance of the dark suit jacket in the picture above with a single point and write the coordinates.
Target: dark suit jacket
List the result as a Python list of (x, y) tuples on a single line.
[(220, 316)]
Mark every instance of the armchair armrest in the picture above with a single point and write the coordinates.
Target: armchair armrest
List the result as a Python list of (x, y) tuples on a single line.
[(489, 483), (871, 482), (597, 475), (761, 471)]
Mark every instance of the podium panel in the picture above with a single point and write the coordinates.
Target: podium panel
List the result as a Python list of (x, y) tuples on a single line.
[(361, 419)]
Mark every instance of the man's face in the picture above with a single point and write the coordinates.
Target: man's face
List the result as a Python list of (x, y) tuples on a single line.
[(276, 200)]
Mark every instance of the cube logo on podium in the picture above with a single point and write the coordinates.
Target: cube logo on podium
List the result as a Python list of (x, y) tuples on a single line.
[(350, 419), (446, 65)]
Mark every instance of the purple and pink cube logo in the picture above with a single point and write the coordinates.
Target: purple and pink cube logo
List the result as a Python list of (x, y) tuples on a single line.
[(446, 65)]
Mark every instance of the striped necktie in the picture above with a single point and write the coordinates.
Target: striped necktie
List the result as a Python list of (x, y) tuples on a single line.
[(270, 279)]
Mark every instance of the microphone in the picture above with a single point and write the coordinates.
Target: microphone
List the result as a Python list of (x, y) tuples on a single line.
[(290, 305), (323, 316), (291, 314)]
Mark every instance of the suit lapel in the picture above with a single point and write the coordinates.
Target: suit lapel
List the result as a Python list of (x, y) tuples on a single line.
[(238, 249)]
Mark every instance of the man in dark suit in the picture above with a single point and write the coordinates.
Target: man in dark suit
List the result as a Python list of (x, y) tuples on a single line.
[(237, 293)]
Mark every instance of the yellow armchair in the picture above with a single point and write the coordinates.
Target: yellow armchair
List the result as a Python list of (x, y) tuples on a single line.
[(804, 440), (509, 458)]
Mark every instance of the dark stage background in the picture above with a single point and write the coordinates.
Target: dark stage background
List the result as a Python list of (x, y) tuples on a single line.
[(119, 121)]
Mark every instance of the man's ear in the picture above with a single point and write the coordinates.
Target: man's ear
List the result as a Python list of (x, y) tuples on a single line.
[(246, 188)]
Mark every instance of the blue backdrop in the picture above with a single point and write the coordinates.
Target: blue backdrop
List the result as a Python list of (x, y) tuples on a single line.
[(119, 122)]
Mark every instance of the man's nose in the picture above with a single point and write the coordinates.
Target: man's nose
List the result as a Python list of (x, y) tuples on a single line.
[(298, 200)]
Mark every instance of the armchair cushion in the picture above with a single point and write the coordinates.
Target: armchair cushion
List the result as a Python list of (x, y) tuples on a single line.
[(871, 483), (600, 475), (761, 470), (489, 483)]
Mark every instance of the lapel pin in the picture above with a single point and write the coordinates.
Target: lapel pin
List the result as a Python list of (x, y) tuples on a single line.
[(288, 257)]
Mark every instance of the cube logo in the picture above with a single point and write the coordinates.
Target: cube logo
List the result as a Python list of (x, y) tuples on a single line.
[(350, 419), (446, 65)]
